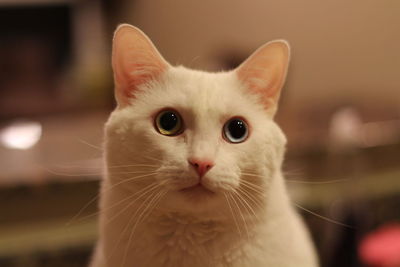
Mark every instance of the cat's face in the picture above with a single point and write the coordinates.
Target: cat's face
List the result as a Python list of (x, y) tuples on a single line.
[(199, 137)]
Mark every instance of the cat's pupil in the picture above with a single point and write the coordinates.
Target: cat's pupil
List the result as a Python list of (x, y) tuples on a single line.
[(168, 121), (237, 128)]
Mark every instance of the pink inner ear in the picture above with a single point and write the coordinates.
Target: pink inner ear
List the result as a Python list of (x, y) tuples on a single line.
[(264, 72), (140, 73), (135, 62), (262, 82)]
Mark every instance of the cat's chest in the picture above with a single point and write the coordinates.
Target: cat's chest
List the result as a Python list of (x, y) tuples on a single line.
[(184, 241), (185, 233)]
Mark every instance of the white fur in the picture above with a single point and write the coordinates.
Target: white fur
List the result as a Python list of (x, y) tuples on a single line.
[(195, 230)]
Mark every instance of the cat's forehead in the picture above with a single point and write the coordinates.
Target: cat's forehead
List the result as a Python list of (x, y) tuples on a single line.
[(204, 93)]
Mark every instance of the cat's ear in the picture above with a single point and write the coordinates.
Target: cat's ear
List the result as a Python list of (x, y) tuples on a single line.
[(264, 72), (135, 61)]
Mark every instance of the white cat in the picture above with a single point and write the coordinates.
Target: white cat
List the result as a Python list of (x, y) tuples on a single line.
[(193, 165)]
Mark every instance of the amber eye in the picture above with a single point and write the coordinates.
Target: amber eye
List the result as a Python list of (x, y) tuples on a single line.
[(169, 122), (236, 130)]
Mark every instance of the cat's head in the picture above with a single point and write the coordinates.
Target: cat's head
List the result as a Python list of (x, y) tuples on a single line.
[(200, 137)]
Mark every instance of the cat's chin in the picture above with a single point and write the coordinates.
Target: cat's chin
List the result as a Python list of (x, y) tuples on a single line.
[(197, 189), (196, 192)]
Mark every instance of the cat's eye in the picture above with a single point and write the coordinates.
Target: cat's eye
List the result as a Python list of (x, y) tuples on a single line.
[(169, 122), (236, 130)]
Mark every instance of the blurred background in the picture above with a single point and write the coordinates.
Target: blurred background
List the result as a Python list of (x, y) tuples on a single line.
[(340, 109)]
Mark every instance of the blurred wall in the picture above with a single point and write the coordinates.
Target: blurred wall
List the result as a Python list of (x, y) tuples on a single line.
[(344, 52)]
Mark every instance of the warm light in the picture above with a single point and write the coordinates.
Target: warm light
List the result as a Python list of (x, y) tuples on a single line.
[(21, 135), (345, 127)]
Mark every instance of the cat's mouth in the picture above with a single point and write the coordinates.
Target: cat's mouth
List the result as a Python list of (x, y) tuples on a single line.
[(198, 188)]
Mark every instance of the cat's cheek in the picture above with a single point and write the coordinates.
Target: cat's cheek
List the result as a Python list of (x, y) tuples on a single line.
[(222, 184), (223, 177)]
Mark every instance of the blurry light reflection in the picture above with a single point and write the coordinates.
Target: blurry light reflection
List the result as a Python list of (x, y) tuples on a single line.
[(21, 134), (348, 130), (345, 127)]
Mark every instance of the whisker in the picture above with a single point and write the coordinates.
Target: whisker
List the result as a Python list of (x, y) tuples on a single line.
[(252, 184), (249, 208), (80, 167), (70, 174), (233, 214), (132, 172), (316, 182), (90, 145), (242, 201), (127, 225), (301, 181), (152, 158), (159, 197), (116, 204), (193, 60), (293, 171), (103, 210), (241, 215), (85, 163), (116, 166), (141, 216), (252, 187), (323, 217), (131, 179), (105, 191), (90, 174), (91, 168), (252, 198), (146, 190), (133, 165), (252, 174)]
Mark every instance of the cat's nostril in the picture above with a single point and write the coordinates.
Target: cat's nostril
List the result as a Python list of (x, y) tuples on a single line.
[(201, 166)]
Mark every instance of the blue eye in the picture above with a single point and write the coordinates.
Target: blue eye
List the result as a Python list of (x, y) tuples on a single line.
[(235, 130)]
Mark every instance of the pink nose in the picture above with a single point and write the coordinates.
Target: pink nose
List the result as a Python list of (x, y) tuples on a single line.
[(201, 166)]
